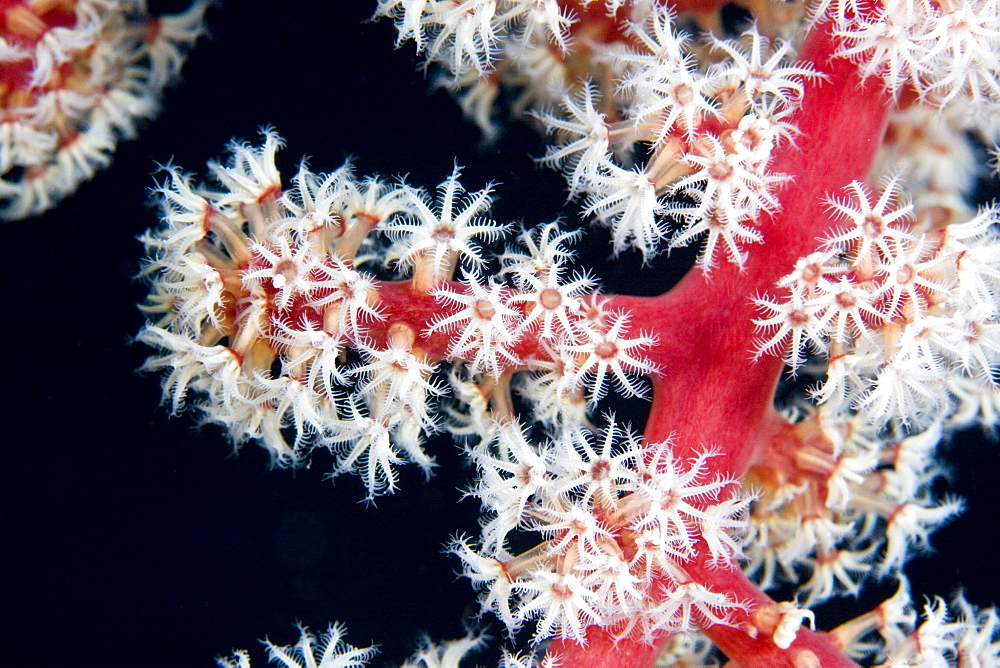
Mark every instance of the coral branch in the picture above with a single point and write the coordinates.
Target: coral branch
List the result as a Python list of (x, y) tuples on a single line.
[(842, 121)]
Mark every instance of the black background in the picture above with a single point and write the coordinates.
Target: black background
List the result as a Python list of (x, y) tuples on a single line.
[(131, 538)]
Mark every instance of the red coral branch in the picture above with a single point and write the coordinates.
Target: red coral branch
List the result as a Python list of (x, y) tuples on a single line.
[(842, 120)]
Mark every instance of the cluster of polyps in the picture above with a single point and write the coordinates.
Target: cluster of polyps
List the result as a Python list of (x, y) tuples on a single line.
[(260, 310), (907, 318), (621, 517), (711, 121), (74, 77)]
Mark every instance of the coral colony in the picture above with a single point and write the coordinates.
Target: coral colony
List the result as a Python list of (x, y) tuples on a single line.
[(75, 76), (828, 193)]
